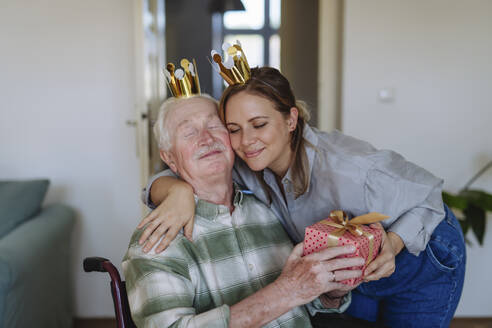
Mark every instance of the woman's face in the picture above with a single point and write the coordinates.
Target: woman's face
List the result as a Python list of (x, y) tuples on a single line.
[(260, 134)]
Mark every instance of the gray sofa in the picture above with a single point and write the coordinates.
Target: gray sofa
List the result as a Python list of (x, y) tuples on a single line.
[(35, 288)]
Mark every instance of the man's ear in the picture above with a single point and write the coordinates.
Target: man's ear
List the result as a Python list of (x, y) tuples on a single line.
[(292, 119), (168, 158)]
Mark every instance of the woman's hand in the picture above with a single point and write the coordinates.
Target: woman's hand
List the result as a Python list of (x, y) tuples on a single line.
[(176, 211), (384, 264)]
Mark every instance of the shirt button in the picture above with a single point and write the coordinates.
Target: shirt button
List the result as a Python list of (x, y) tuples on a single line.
[(251, 267)]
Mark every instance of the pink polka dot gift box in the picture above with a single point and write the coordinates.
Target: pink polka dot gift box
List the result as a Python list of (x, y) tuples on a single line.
[(339, 230)]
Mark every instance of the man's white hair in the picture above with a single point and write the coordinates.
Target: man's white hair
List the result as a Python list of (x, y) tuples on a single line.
[(161, 130)]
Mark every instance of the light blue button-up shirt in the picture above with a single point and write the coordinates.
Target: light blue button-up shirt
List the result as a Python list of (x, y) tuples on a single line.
[(351, 175)]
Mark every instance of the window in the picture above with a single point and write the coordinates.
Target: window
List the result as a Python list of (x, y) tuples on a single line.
[(257, 30)]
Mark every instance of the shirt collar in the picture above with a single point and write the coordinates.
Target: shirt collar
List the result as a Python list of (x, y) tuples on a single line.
[(211, 211)]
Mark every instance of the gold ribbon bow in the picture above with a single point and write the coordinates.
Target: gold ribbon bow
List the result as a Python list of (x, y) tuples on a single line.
[(342, 223)]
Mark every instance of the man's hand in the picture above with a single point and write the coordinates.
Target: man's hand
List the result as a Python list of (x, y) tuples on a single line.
[(305, 278), (176, 211), (302, 280), (384, 264)]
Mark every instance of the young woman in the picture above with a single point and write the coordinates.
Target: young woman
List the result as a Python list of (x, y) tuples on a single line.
[(303, 174)]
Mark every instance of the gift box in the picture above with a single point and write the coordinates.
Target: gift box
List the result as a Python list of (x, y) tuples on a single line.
[(338, 230)]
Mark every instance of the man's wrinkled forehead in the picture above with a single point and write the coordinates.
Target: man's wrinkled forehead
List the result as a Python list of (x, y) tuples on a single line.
[(193, 109), (189, 120)]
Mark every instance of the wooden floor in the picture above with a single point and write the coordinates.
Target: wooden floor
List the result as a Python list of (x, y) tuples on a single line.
[(471, 323), (456, 323)]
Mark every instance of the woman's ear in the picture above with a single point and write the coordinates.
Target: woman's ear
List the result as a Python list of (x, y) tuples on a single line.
[(292, 119)]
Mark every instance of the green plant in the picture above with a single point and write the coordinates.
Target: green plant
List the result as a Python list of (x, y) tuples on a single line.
[(473, 205)]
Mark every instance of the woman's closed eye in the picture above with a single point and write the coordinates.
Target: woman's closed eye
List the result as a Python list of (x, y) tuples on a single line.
[(233, 130)]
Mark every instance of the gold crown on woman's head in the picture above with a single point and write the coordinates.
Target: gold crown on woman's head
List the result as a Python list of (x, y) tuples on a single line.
[(235, 69), (182, 82)]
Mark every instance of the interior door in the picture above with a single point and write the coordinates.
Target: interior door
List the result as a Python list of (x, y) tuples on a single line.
[(151, 92)]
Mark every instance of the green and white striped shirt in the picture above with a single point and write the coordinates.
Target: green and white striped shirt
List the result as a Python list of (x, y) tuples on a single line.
[(192, 284)]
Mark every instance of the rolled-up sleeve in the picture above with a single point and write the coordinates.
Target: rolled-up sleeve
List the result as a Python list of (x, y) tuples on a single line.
[(410, 195), (146, 191), (161, 294)]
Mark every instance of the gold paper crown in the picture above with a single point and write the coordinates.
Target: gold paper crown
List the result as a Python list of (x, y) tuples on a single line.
[(183, 82), (235, 69)]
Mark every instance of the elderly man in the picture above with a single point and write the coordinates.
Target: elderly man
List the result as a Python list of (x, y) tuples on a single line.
[(240, 270)]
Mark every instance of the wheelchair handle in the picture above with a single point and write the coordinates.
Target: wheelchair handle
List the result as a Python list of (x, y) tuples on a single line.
[(101, 264), (118, 289), (94, 264)]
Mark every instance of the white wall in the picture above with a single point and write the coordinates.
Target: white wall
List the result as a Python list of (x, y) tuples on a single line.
[(436, 57), (66, 89)]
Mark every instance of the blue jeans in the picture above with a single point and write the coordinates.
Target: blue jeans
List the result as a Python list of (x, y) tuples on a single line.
[(424, 290)]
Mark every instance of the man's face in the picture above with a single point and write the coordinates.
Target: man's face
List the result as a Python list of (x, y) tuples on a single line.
[(200, 143)]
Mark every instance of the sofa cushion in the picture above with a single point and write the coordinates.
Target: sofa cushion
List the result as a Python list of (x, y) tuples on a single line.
[(19, 201)]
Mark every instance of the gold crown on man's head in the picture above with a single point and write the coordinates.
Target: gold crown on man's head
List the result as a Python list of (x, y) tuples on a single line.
[(235, 69), (182, 82)]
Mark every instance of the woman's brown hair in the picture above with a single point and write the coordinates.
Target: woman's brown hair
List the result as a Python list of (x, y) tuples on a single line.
[(269, 83)]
